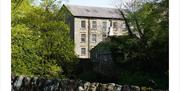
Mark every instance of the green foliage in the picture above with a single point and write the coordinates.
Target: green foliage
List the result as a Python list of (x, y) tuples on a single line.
[(138, 59), (23, 47), (52, 5), (40, 43)]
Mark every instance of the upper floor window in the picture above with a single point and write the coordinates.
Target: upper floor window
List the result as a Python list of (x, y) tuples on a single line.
[(83, 24), (93, 37), (83, 51), (83, 38), (124, 26), (94, 25), (115, 26), (104, 26)]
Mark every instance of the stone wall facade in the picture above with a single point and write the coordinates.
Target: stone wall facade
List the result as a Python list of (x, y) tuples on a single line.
[(24, 83), (103, 25), (89, 31)]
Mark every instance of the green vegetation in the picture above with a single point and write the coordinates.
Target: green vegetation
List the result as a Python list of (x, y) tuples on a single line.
[(138, 60), (143, 58), (41, 44)]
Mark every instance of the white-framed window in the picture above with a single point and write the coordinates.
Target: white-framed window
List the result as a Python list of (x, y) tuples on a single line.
[(104, 26), (94, 25), (83, 51), (94, 37), (83, 24), (83, 38), (124, 27), (115, 26)]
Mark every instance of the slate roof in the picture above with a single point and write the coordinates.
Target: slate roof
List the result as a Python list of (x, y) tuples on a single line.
[(97, 12)]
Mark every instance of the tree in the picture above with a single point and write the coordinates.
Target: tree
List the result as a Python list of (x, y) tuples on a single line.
[(145, 51), (41, 44)]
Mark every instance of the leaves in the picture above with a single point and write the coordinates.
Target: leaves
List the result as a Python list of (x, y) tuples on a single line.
[(41, 45), (148, 54)]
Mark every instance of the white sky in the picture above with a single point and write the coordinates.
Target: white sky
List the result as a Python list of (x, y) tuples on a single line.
[(99, 3)]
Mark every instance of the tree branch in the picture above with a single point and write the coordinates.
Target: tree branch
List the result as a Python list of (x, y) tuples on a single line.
[(126, 22)]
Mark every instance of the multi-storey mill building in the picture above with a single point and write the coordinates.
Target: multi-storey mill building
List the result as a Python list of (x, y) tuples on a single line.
[(91, 25)]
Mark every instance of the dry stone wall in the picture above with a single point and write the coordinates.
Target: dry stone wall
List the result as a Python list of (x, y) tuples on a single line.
[(24, 83)]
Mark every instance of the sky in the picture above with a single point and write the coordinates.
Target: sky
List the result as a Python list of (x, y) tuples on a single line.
[(99, 3)]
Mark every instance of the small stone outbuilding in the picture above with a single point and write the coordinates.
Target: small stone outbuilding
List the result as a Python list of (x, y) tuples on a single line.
[(102, 59)]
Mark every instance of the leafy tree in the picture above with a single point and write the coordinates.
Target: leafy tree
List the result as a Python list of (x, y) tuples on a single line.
[(40, 42), (145, 51)]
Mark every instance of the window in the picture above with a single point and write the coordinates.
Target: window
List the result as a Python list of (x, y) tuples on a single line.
[(115, 26), (94, 25), (103, 36), (104, 26), (83, 24), (93, 37), (124, 27), (83, 51), (83, 38)]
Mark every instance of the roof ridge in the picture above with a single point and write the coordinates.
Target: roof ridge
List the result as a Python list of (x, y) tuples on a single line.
[(93, 11)]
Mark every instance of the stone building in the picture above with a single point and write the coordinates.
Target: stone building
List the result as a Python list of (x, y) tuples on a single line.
[(102, 59), (91, 25)]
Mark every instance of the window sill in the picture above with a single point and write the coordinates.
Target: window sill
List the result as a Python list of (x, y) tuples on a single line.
[(115, 29), (83, 28), (83, 54), (93, 41), (93, 28), (82, 31)]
